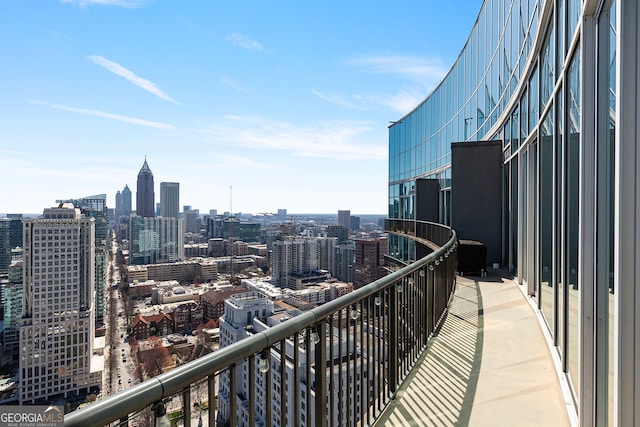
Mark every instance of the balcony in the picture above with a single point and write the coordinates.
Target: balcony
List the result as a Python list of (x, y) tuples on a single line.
[(417, 347)]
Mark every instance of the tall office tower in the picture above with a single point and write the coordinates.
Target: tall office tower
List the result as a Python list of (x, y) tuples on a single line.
[(338, 231), (96, 207), (327, 252), (354, 223), (191, 220), (57, 332), (10, 237), (145, 196), (293, 257), (369, 260), (344, 219), (344, 263), (282, 214), (253, 312), (170, 199), (155, 240), (118, 211), (126, 201)]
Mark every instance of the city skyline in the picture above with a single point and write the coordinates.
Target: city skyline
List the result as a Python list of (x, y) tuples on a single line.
[(287, 104)]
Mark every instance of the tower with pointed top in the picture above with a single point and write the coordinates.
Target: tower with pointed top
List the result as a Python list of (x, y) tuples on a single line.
[(145, 200)]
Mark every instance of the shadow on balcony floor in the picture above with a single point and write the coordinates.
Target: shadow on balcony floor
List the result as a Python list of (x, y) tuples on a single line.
[(489, 365)]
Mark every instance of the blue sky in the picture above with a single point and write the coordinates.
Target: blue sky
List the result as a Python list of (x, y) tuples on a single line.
[(288, 102)]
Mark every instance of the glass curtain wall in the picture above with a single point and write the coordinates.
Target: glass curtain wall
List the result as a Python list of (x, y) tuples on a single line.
[(499, 88)]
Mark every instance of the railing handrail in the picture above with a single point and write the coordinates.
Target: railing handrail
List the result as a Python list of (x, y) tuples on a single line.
[(170, 383)]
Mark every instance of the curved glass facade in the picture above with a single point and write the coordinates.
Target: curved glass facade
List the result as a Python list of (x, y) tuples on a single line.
[(542, 77)]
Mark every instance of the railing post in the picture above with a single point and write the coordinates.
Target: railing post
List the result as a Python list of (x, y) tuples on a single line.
[(233, 415), (211, 391), (186, 406), (321, 371), (393, 341), (252, 390)]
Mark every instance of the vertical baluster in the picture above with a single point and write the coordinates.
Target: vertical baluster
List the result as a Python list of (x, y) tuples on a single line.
[(340, 369), (296, 381), (307, 399), (268, 384), (252, 390), (232, 396), (283, 383), (332, 384), (321, 373), (354, 379), (363, 351), (211, 395), (186, 406)]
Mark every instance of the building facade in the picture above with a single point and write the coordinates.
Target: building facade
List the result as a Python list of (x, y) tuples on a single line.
[(145, 193), (344, 219), (253, 312), (57, 326), (554, 84), (155, 240), (126, 201), (369, 265), (293, 257), (170, 199)]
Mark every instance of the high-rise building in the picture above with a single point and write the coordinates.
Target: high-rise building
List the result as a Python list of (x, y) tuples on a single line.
[(253, 312), (10, 237), (145, 196), (170, 199), (57, 332), (293, 257), (338, 231), (126, 201), (369, 265), (344, 219), (96, 207), (191, 220), (118, 210), (155, 240), (344, 263), (354, 223)]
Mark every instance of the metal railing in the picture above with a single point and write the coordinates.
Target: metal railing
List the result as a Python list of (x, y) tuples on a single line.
[(340, 363)]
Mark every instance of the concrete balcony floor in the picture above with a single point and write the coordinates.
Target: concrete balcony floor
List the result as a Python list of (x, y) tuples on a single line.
[(489, 365)]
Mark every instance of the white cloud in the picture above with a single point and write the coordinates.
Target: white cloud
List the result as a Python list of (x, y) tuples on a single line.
[(105, 115), (342, 140), (425, 71), (233, 84), (336, 99), (244, 42), (129, 75), (121, 3), (402, 102)]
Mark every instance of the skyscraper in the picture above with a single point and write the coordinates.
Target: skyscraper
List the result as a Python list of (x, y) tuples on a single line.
[(169, 199), (344, 219), (118, 211), (145, 196), (57, 332), (126, 201)]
